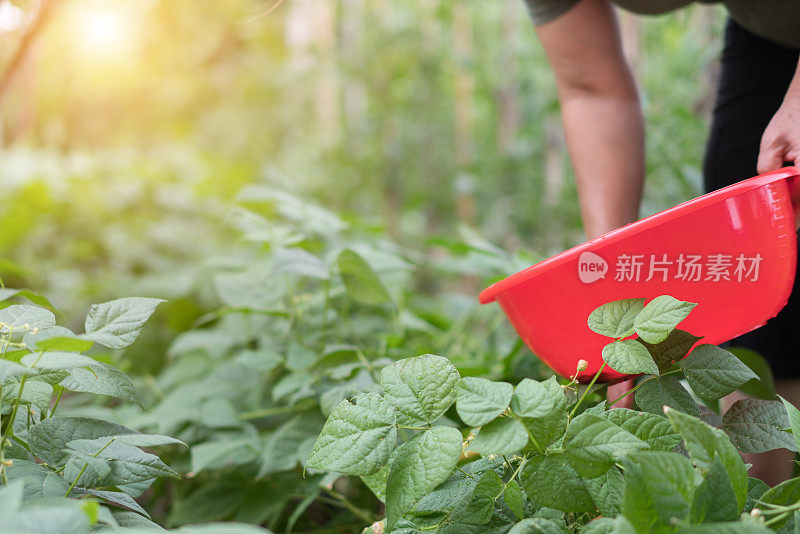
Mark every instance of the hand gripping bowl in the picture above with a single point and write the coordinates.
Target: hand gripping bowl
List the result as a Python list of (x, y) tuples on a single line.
[(733, 251)]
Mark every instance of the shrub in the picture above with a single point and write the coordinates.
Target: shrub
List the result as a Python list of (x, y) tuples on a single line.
[(539, 458)]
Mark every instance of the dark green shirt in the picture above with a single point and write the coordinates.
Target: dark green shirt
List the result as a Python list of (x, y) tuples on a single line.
[(776, 20)]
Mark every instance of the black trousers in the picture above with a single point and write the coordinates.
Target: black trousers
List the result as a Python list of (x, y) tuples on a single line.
[(753, 81)]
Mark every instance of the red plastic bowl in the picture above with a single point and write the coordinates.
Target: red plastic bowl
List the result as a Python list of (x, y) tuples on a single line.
[(729, 230)]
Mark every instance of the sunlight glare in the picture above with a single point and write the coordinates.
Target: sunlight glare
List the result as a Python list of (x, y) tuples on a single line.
[(105, 32)]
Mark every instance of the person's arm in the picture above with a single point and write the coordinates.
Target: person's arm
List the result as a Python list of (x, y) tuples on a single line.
[(781, 139), (600, 110)]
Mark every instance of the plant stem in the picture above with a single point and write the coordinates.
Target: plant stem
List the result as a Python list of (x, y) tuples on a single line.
[(586, 391), (362, 514), (77, 478), (58, 399), (278, 410)]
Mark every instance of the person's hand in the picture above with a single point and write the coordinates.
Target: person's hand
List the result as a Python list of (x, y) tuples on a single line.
[(617, 390), (781, 139)]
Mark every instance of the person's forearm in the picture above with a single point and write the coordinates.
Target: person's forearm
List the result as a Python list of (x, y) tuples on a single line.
[(605, 138)]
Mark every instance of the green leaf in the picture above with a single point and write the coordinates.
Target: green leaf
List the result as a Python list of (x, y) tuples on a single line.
[(755, 489), (655, 393), (677, 345), (502, 436), (658, 490), (56, 338), (299, 262), (607, 491), (704, 442), (40, 300), (124, 463), (356, 439), (606, 525), (362, 284), (630, 357), (147, 440), (40, 482), (538, 399), (421, 464), (514, 499), (480, 400), (20, 317), (794, 420), (615, 319), (479, 507), (420, 388), (536, 525), (762, 387), (118, 498), (653, 429), (714, 500), (786, 493), (592, 444), (57, 360), (48, 439), (738, 527), (377, 480), (224, 453), (660, 316), (34, 392), (10, 369), (549, 480), (543, 407), (713, 372), (101, 379), (117, 323), (756, 425)]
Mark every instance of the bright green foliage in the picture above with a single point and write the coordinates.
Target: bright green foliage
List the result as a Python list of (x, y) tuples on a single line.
[(630, 357), (794, 420), (536, 525), (654, 430), (654, 323), (356, 439), (421, 389), (421, 464), (551, 481), (479, 400), (24, 318), (607, 492), (514, 499), (538, 399), (658, 490), (361, 282), (118, 323), (543, 409), (714, 499), (705, 443), (61, 458), (714, 372), (615, 319), (501, 436), (593, 444), (549, 463)]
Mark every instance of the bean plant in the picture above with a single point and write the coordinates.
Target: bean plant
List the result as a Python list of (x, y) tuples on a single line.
[(538, 457), (307, 316), (69, 474)]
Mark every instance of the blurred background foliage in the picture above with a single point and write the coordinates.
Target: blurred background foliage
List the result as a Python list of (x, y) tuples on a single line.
[(148, 146)]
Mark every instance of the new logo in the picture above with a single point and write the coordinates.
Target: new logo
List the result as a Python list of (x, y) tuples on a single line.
[(591, 267)]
